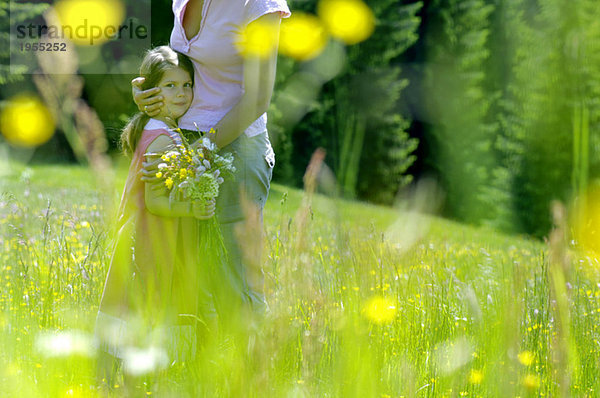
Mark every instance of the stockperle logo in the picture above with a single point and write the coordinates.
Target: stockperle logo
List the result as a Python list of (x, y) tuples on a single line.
[(102, 36)]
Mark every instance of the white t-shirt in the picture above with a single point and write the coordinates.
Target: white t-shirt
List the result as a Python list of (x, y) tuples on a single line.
[(218, 66)]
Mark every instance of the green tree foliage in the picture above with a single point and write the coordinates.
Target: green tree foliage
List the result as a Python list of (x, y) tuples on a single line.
[(507, 28), (548, 109), (459, 102), (376, 89), (356, 117), (13, 13)]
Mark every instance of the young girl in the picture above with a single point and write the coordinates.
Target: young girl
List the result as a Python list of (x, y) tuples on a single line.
[(153, 286)]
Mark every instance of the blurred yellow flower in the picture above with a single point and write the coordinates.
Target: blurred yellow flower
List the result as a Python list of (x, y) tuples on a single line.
[(351, 21), (586, 222), (159, 174), (26, 121), (169, 183), (90, 22), (303, 36), (380, 310), (531, 382), (526, 358), (258, 39), (476, 376), (182, 173)]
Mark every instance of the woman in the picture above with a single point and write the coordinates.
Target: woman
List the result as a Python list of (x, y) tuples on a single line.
[(231, 94)]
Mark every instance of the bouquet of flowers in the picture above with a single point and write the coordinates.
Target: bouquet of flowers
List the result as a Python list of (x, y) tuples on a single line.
[(195, 172)]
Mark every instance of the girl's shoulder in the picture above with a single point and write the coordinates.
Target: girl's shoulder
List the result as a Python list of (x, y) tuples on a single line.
[(160, 143), (157, 127), (158, 136), (155, 124)]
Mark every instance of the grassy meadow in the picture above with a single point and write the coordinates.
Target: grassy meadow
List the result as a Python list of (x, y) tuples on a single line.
[(365, 301)]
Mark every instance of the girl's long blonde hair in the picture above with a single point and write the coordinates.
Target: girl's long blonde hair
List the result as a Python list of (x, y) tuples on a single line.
[(153, 67)]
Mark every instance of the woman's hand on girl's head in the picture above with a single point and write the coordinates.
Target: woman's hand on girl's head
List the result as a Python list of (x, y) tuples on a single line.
[(147, 100), (203, 210)]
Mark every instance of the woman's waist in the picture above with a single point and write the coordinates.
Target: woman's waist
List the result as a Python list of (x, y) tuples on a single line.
[(205, 119)]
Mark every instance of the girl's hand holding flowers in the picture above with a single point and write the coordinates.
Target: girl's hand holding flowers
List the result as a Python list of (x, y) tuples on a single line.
[(150, 167), (203, 210)]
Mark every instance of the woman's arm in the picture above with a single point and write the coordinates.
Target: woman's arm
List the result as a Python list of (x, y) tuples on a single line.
[(259, 79)]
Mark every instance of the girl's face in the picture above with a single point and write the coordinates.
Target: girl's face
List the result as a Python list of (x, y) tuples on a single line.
[(176, 88)]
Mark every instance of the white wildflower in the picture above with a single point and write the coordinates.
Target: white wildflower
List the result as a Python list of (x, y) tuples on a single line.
[(64, 344), (139, 361), (208, 144), (208, 186)]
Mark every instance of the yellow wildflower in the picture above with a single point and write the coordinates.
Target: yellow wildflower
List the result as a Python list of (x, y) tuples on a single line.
[(526, 358), (182, 173), (25, 121), (159, 174), (352, 21), (531, 382), (380, 310), (303, 36), (476, 376), (257, 39), (169, 183)]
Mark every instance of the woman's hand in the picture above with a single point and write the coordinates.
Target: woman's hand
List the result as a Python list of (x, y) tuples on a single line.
[(203, 210), (148, 101)]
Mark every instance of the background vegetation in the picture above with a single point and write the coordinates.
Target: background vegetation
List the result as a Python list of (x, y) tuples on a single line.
[(494, 99), (484, 110), (365, 301)]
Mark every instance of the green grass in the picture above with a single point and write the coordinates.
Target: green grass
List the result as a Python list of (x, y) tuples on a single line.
[(366, 301)]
